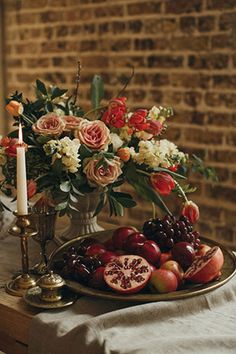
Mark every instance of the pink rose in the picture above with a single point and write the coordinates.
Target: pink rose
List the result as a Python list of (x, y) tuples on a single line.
[(50, 124), (102, 176), (71, 122), (162, 182), (191, 211), (93, 134)]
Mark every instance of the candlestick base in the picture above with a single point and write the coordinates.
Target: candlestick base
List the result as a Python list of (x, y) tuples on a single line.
[(19, 285)]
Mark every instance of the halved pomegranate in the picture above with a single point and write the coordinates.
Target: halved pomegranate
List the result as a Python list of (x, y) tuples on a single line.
[(207, 267), (127, 274)]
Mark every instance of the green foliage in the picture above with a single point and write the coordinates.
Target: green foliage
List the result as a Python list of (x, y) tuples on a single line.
[(97, 91), (206, 171)]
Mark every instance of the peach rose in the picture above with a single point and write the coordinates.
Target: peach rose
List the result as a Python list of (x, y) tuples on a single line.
[(71, 122), (93, 134), (50, 124), (102, 176), (14, 108)]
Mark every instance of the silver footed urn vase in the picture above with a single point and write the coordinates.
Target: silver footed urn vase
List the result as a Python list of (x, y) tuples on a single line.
[(82, 220)]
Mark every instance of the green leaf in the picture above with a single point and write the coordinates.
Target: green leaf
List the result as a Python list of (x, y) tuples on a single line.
[(85, 151), (41, 87), (61, 206), (57, 167), (117, 207), (49, 106), (57, 92), (124, 199), (65, 186), (100, 204), (173, 174), (97, 91)]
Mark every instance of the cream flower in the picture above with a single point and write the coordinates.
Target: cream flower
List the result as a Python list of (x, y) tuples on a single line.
[(66, 150), (116, 141)]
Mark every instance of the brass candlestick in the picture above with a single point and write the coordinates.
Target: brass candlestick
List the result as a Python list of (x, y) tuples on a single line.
[(22, 229)]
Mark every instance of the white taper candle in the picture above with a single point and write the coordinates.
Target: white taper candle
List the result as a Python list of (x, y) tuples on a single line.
[(21, 180)]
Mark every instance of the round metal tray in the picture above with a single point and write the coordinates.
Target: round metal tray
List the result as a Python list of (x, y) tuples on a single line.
[(189, 290)]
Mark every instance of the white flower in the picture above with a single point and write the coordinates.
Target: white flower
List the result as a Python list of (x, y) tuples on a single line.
[(116, 141), (157, 153), (154, 113), (66, 150)]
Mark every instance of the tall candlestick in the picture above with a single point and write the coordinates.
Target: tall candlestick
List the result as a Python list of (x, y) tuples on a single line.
[(21, 180)]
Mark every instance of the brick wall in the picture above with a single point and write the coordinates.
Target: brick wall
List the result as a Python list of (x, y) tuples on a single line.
[(184, 55)]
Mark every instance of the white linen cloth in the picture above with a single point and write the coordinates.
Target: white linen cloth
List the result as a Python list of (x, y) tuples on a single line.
[(203, 324)]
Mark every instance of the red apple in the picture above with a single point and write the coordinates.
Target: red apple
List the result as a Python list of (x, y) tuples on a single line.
[(95, 249), (175, 268), (133, 242), (150, 251), (107, 257), (109, 245), (163, 281), (97, 279), (184, 254), (120, 235), (202, 250), (165, 256)]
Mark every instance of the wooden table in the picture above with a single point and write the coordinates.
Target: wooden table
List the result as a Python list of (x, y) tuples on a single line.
[(15, 315)]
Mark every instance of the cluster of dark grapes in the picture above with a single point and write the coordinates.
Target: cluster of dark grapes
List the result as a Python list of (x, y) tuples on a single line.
[(168, 231), (76, 265)]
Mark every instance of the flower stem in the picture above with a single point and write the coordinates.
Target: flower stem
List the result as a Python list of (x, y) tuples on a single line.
[(94, 110), (27, 119), (153, 211), (181, 190), (143, 172)]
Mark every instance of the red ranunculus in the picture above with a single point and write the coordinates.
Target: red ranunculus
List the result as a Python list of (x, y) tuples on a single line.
[(10, 145), (155, 127), (31, 188), (191, 211), (114, 116), (162, 182), (138, 120)]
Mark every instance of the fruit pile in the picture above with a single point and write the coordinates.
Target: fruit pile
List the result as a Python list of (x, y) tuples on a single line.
[(163, 258)]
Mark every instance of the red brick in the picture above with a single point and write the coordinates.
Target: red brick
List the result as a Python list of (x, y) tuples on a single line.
[(206, 23), (227, 20), (203, 136), (210, 61), (144, 7), (188, 24), (220, 5), (183, 6), (165, 61)]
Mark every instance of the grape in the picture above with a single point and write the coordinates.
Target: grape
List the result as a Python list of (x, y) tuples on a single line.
[(169, 230)]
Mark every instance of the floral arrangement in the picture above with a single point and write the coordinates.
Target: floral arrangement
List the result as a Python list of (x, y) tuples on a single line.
[(70, 151)]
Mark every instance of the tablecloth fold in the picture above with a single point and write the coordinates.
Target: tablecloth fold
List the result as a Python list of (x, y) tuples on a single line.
[(201, 324)]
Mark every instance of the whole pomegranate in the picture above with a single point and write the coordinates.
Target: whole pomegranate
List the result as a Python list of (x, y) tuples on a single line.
[(120, 235), (207, 267), (127, 274)]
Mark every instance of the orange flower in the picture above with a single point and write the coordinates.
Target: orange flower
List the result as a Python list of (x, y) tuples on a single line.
[(124, 154), (14, 108)]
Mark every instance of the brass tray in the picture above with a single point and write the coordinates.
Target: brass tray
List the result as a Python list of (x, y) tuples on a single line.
[(32, 297), (228, 271)]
